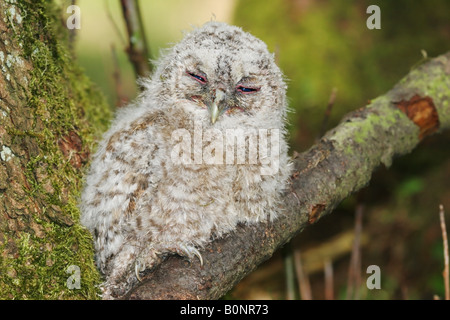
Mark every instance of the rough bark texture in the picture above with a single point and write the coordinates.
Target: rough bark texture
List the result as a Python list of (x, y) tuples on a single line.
[(341, 163), (137, 50), (44, 142)]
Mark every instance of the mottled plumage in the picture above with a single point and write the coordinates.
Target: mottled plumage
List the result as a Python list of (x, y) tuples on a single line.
[(173, 171)]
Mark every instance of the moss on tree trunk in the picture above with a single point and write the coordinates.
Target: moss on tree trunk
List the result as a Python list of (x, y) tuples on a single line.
[(49, 116)]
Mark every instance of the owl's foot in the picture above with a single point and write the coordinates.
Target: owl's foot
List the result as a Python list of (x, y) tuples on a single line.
[(147, 261), (150, 258), (188, 251), (139, 266)]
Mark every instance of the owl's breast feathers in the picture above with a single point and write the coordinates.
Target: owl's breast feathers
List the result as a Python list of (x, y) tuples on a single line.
[(134, 175)]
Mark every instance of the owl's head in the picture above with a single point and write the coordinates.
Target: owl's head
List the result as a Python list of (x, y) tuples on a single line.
[(224, 73)]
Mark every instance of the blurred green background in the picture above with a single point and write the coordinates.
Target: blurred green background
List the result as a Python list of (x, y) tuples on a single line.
[(320, 45)]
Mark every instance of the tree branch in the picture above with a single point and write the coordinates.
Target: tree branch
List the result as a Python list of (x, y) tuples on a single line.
[(137, 49), (339, 164)]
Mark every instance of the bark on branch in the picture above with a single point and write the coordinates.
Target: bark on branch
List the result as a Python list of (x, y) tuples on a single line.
[(341, 163)]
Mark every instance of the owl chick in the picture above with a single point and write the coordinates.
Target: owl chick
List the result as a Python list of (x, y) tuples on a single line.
[(200, 150)]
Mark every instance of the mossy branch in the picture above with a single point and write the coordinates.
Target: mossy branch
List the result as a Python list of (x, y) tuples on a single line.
[(341, 163)]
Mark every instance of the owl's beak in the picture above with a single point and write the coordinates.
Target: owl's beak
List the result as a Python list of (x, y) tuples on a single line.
[(216, 108)]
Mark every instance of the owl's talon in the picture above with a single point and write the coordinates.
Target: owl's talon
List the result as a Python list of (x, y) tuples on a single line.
[(138, 267), (198, 255), (190, 251)]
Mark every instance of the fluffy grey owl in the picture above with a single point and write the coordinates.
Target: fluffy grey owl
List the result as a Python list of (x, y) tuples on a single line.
[(201, 150)]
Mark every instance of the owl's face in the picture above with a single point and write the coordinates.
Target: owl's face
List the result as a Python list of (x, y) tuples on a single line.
[(225, 72)]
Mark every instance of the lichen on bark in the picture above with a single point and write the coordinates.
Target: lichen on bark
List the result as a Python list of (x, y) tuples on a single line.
[(50, 115)]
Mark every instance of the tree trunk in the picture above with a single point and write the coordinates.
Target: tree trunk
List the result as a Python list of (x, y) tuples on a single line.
[(45, 140)]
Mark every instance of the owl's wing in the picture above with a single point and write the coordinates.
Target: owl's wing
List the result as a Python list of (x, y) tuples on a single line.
[(126, 165)]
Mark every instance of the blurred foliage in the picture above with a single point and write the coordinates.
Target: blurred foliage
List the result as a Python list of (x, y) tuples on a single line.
[(325, 44)]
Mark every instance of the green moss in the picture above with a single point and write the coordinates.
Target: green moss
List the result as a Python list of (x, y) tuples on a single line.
[(61, 100)]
